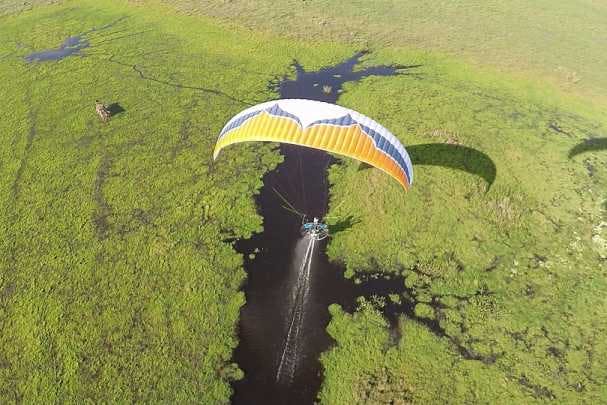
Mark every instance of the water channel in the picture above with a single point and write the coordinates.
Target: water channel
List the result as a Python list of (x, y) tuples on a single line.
[(290, 281)]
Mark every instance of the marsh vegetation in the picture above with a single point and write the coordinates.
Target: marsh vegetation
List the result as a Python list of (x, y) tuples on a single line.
[(119, 279)]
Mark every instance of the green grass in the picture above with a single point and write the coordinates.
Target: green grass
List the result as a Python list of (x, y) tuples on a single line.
[(560, 41), (116, 284), (117, 280), (513, 275)]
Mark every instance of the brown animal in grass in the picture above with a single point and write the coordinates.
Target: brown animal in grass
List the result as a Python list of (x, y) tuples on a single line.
[(102, 111)]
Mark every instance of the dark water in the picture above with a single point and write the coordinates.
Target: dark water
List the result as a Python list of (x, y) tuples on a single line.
[(290, 286), (70, 47)]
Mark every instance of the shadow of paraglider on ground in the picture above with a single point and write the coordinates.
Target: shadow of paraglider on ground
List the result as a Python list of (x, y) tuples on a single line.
[(452, 156), (457, 157), (589, 145)]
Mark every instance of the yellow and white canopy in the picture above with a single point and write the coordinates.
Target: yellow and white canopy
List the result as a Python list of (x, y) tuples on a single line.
[(322, 126)]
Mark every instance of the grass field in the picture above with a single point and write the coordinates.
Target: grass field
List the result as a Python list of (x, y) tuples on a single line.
[(508, 273), (556, 41), (117, 279)]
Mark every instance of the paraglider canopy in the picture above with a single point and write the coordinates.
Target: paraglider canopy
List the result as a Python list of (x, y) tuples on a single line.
[(322, 126)]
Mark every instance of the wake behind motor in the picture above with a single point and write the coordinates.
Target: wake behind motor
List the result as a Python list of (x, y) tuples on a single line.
[(314, 229)]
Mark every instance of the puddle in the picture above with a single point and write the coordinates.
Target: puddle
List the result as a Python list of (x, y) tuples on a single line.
[(70, 47)]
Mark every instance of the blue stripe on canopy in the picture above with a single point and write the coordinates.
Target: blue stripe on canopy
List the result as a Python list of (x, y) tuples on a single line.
[(385, 146), (238, 122)]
